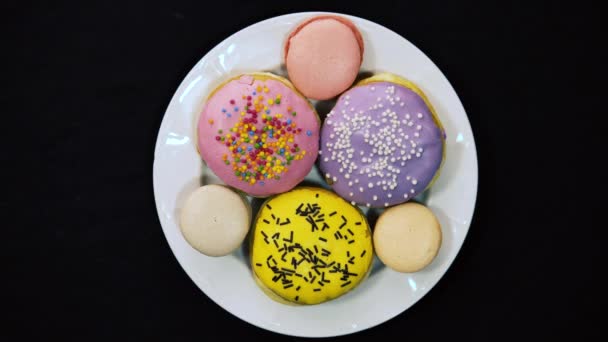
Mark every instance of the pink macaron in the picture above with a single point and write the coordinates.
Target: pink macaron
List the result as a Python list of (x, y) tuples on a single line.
[(323, 56)]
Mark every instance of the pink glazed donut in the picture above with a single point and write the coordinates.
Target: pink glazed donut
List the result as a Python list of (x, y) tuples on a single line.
[(258, 134), (323, 56)]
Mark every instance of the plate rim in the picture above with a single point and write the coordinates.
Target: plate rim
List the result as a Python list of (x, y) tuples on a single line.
[(166, 121)]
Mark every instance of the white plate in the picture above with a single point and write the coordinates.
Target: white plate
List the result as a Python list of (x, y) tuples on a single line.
[(228, 281)]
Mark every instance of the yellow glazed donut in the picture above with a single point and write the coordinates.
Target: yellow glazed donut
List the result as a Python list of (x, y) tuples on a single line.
[(309, 246)]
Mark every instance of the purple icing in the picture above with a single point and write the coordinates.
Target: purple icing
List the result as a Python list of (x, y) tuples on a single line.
[(380, 145)]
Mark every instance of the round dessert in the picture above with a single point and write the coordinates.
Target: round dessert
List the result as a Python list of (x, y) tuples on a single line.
[(323, 56), (208, 226), (407, 237), (382, 144), (310, 246), (258, 134)]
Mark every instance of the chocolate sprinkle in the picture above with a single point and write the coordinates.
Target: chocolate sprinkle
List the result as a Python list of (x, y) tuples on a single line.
[(290, 235), (344, 223), (316, 257)]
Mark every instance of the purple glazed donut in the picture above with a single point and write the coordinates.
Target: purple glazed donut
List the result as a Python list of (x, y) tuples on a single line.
[(382, 143)]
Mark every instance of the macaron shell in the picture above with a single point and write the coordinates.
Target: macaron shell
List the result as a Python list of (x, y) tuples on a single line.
[(407, 237), (343, 20), (208, 225), (323, 56)]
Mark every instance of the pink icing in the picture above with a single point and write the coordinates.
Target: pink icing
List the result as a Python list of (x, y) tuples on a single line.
[(219, 114)]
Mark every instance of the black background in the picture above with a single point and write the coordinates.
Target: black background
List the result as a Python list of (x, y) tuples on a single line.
[(85, 86)]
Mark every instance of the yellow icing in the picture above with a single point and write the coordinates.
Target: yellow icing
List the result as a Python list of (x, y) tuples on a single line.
[(334, 216), (388, 77)]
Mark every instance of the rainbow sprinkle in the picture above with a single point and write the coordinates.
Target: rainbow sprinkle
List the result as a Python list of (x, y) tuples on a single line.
[(261, 143)]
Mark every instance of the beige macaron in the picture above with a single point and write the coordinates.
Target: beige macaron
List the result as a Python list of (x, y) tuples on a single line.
[(215, 220), (407, 237)]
